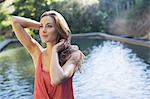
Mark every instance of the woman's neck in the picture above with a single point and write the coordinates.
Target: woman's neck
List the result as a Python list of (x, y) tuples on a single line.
[(49, 48)]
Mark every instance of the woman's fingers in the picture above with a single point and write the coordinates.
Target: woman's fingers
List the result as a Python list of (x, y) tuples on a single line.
[(61, 45)]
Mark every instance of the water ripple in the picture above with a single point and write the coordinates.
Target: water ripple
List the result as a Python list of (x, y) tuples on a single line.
[(112, 71)]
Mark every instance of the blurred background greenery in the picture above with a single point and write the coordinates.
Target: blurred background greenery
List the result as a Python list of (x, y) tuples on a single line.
[(119, 17)]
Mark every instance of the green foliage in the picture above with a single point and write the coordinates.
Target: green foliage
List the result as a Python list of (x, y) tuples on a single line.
[(138, 18), (81, 17), (30, 8), (4, 19), (139, 10)]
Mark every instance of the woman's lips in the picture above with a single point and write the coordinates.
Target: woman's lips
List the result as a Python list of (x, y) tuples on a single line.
[(44, 35)]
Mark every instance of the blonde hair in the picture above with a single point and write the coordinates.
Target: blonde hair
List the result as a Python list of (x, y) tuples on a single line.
[(63, 33), (61, 25)]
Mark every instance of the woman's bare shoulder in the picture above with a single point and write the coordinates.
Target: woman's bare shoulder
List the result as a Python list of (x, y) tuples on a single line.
[(38, 50)]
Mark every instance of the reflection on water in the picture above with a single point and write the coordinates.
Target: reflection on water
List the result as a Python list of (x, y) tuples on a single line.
[(111, 71), (16, 75)]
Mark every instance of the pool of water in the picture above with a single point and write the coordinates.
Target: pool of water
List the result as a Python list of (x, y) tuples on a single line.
[(111, 70)]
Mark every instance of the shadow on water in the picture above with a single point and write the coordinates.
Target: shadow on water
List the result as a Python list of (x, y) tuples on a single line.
[(141, 52), (111, 70)]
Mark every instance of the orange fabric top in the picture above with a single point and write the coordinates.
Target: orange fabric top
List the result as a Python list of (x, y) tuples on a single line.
[(43, 88)]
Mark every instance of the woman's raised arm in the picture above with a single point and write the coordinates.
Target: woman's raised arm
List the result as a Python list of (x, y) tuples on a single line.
[(19, 24)]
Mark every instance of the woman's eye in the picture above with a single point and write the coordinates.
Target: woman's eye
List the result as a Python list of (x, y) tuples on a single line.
[(49, 26), (41, 26)]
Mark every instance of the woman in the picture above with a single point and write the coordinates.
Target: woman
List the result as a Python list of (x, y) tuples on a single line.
[(55, 64)]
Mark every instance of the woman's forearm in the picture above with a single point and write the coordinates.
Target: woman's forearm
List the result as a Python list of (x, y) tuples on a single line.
[(56, 71), (26, 23)]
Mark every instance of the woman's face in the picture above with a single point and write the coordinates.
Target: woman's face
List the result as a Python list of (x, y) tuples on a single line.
[(47, 30)]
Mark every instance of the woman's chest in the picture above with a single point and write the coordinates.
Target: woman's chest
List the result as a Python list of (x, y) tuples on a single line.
[(45, 65)]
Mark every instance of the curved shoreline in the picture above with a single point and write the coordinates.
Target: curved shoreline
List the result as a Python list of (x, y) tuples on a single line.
[(98, 35), (101, 35)]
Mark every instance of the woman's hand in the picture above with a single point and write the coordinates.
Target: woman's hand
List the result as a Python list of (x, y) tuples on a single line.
[(60, 46)]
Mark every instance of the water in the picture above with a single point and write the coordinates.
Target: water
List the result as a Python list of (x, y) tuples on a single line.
[(16, 75), (111, 70)]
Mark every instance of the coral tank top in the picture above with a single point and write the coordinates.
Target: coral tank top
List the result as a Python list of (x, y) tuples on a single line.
[(43, 88)]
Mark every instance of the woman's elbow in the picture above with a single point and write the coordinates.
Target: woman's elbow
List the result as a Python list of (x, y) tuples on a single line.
[(58, 82), (54, 83), (13, 19)]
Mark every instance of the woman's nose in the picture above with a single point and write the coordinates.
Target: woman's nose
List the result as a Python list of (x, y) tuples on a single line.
[(44, 30)]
